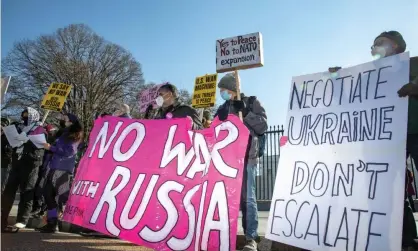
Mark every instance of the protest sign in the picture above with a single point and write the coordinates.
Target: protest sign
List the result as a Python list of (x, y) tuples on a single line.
[(204, 93), (147, 97), (160, 185), (55, 97), (241, 52), (340, 180)]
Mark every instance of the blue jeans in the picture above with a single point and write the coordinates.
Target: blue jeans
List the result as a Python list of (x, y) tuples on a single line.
[(249, 203)]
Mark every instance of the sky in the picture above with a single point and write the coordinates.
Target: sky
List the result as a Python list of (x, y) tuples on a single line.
[(175, 40)]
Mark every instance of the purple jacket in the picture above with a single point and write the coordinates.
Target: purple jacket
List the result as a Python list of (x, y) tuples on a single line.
[(64, 154)]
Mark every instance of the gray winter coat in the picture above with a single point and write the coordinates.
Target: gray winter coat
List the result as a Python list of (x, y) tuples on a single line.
[(255, 120)]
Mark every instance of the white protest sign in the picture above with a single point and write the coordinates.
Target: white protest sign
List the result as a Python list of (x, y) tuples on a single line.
[(241, 52), (12, 135), (340, 180)]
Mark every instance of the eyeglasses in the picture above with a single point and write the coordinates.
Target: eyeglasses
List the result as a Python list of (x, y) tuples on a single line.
[(379, 43)]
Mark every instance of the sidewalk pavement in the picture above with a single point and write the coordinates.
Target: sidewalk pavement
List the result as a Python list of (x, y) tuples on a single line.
[(264, 245), (27, 240)]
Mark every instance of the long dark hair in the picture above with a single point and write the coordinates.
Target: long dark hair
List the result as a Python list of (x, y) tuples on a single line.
[(75, 132)]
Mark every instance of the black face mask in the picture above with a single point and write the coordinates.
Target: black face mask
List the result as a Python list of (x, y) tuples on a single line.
[(25, 120), (62, 123)]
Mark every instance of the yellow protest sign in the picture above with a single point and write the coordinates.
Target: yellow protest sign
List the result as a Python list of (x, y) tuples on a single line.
[(55, 97), (204, 94)]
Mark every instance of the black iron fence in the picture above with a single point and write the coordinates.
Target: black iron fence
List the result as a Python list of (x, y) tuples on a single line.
[(268, 168)]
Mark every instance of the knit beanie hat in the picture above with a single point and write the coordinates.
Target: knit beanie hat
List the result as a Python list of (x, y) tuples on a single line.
[(395, 37), (50, 128), (228, 82)]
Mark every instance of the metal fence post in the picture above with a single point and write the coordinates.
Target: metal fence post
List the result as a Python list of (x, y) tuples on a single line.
[(268, 167)]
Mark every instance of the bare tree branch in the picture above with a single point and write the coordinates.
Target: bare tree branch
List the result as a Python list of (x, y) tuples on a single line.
[(102, 74)]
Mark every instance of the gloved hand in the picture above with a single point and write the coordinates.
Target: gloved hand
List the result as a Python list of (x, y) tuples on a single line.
[(223, 114), (22, 137), (409, 89), (240, 106)]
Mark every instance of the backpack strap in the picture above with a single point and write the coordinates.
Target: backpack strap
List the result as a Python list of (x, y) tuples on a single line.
[(251, 100)]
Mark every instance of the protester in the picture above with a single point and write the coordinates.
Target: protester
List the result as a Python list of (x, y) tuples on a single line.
[(60, 169), (172, 107), (207, 119), (388, 44), (39, 206), (123, 111), (6, 154), (26, 160), (255, 118)]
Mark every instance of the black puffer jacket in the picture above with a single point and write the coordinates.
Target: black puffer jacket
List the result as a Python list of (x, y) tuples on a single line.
[(180, 110)]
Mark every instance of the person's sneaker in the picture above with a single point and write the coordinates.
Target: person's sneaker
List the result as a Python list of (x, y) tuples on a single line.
[(20, 225), (251, 245)]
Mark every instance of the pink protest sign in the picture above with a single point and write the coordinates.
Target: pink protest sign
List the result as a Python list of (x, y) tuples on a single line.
[(158, 184), (147, 97)]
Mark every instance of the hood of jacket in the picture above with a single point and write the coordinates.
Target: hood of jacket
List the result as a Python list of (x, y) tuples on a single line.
[(33, 115)]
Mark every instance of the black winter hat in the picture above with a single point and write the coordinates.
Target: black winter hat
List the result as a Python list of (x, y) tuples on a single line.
[(228, 82), (395, 37)]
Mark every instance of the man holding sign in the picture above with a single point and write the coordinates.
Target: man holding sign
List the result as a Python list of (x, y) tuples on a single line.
[(172, 107), (388, 44), (255, 118)]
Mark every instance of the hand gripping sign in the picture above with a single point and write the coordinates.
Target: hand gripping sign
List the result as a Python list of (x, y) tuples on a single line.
[(158, 184)]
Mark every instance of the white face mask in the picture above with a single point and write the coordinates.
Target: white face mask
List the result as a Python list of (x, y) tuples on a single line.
[(382, 51), (159, 101)]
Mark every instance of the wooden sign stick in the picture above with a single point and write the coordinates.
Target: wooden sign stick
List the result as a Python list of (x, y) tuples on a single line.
[(237, 81), (45, 116)]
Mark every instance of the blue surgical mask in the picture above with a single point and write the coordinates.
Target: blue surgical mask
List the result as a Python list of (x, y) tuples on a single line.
[(225, 95)]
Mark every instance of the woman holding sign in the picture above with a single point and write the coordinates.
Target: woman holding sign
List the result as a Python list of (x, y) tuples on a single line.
[(61, 167)]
